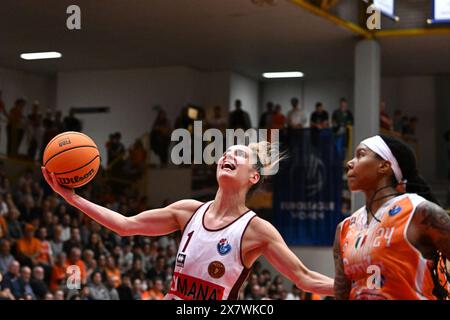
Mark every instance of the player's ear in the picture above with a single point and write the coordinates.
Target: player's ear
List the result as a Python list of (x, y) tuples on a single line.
[(384, 167), (254, 177)]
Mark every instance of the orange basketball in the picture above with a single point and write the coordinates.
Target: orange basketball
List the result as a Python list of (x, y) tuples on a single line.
[(73, 157)]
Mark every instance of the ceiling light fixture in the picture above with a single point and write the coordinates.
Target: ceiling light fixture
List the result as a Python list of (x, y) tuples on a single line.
[(41, 55), (278, 75)]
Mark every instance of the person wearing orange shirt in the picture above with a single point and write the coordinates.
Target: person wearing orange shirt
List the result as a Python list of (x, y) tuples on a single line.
[(75, 259), (156, 292), (112, 270), (29, 247), (58, 274), (46, 256), (278, 121), (394, 246), (3, 227)]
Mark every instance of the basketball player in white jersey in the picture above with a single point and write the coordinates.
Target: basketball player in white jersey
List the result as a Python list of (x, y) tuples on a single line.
[(221, 239)]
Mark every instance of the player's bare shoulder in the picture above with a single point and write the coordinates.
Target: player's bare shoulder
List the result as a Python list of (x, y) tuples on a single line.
[(260, 231), (184, 209)]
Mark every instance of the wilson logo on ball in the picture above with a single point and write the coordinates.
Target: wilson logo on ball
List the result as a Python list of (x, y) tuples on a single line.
[(76, 179), (64, 142)]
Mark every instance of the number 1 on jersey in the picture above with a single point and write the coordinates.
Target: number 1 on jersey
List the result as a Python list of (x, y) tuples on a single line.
[(188, 240)]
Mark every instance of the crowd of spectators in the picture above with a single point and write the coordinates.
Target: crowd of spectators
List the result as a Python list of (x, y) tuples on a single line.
[(35, 129)]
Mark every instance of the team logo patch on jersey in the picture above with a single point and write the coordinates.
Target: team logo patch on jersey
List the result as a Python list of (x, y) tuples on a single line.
[(180, 260), (223, 247), (395, 210), (216, 269)]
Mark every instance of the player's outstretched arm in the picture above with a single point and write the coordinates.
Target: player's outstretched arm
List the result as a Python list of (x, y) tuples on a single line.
[(285, 261), (148, 223)]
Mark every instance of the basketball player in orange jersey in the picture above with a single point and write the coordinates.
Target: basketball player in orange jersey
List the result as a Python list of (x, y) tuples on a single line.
[(220, 240), (395, 246)]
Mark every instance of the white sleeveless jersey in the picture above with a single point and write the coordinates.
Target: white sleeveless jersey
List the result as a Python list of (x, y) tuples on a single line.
[(209, 262)]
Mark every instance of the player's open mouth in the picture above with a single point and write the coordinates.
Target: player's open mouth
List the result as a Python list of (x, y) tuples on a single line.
[(228, 166)]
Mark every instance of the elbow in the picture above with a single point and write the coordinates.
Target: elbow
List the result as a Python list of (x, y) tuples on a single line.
[(303, 279), (124, 232)]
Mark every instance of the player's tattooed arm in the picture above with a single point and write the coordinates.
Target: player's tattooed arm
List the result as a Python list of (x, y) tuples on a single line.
[(433, 223), (342, 284)]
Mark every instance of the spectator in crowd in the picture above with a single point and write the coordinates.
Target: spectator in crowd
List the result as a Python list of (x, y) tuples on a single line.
[(45, 258), (265, 121), (11, 275), (409, 134), (218, 121), (111, 285), (50, 129), (15, 128), (75, 259), (124, 290), (56, 244), (21, 287), (255, 293), (74, 240), (136, 270), (157, 291), (58, 121), (296, 118), (29, 247), (385, 119), (6, 257), (158, 269), (35, 130), (137, 289), (5, 293), (2, 109), (278, 121), (97, 289), (58, 275), (3, 227), (160, 137), (136, 161), (72, 123), (14, 226), (49, 296), (239, 119), (319, 118), (38, 283), (112, 271), (115, 152), (294, 294), (341, 118), (59, 295), (398, 121), (278, 118), (90, 262)]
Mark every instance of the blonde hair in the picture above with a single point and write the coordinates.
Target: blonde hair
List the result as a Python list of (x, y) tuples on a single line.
[(267, 157)]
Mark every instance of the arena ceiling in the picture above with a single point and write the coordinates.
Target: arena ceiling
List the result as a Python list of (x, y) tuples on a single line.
[(203, 34)]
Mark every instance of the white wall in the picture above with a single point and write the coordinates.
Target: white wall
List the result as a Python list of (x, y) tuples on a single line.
[(247, 90), (17, 84), (280, 92), (415, 96), (131, 94)]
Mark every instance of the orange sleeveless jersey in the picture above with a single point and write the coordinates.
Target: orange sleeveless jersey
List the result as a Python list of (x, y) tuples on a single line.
[(378, 258)]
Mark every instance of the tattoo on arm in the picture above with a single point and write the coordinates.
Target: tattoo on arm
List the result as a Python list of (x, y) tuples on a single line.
[(435, 226), (341, 282)]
